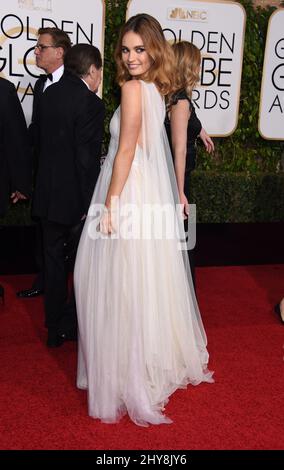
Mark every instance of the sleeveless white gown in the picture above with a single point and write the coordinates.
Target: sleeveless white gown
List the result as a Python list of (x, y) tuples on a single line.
[(140, 332)]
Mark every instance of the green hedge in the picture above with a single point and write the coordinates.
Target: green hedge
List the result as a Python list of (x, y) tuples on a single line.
[(246, 150), (243, 181), (18, 214), (237, 197), (219, 196)]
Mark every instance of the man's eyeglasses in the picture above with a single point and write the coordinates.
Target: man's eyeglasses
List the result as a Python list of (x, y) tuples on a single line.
[(41, 47)]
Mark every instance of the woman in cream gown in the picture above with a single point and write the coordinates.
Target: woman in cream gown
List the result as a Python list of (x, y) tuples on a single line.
[(140, 332)]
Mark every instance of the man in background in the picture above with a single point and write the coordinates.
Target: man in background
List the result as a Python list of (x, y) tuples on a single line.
[(15, 154), (71, 118), (51, 47)]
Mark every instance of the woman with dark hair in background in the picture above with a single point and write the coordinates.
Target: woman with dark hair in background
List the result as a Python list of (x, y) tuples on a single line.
[(182, 124)]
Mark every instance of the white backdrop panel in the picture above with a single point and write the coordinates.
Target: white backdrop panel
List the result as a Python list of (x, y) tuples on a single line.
[(217, 28), (271, 113), (19, 22)]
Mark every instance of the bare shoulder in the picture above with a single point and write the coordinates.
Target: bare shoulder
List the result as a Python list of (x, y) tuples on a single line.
[(180, 109), (131, 85), (131, 88), (131, 97)]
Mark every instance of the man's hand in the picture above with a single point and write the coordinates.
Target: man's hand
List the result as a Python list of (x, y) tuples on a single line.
[(17, 196)]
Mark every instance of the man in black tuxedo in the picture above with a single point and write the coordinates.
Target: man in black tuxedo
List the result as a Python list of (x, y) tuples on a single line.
[(15, 155), (52, 45), (71, 118)]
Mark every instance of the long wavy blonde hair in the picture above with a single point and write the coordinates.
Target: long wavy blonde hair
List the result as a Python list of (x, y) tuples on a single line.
[(187, 68), (161, 71)]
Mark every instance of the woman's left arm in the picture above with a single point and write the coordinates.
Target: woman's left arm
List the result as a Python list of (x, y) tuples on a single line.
[(180, 114), (130, 127)]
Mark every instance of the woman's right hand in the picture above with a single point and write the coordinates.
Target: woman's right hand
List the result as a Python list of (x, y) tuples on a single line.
[(106, 226)]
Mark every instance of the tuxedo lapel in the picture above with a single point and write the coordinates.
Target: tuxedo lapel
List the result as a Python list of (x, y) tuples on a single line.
[(41, 82)]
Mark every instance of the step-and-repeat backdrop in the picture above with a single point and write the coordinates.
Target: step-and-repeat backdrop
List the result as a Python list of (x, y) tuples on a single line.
[(217, 28), (19, 22)]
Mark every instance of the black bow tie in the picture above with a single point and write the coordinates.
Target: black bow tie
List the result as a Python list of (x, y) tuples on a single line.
[(46, 76)]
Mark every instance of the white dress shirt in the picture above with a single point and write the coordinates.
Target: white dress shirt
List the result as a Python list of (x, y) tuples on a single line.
[(56, 75)]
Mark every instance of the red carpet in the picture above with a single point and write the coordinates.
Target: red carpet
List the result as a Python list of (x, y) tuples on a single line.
[(42, 409)]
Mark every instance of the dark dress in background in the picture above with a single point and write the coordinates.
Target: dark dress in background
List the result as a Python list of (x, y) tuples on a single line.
[(194, 127)]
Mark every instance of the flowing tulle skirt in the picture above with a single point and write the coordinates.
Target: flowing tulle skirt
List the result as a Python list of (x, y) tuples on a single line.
[(137, 343), (140, 334)]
